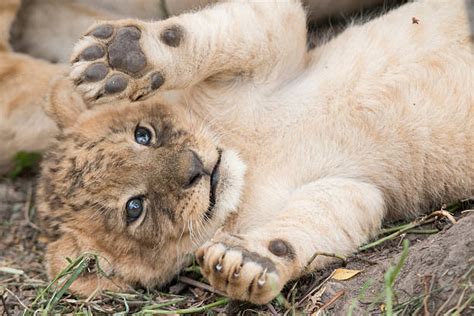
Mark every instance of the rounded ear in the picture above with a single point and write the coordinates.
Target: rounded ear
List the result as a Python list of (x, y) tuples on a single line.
[(96, 274), (63, 103)]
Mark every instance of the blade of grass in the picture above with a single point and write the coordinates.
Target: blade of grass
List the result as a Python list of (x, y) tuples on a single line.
[(164, 304), (83, 264), (200, 309), (390, 277)]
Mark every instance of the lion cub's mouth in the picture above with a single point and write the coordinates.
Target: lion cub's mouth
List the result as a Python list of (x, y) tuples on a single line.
[(215, 176)]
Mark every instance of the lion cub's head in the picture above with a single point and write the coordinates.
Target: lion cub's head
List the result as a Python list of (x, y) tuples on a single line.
[(141, 184)]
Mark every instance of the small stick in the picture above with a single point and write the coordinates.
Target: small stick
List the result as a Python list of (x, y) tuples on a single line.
[(326, 254), (439, 311), (27, 208), (427, 285), (443, 213), (461, 298), (336, 296), (201, 285), (320, 285), (272, 309), (423, 231), (5, 306), (408, 227), (18, 299)]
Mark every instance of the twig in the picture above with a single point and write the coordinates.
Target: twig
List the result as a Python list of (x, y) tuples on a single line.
[(461, 298), (272, 309), (5, 306), (405, 228), (27, 208), (427, 285), (315, 289), (188, 311), (466, 304), (201, 285), (423, 231), (397, 228), (18, 299), (336, 296), (443, 213), (325, 254), (440, 310)]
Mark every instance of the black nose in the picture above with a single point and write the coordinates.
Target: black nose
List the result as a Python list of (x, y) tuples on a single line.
[(195, 170)]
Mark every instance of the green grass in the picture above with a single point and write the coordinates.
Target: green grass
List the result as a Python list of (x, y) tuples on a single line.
[(391, 276), (24, 161)]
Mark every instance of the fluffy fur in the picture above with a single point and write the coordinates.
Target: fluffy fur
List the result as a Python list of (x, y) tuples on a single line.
[(36, 33), (377, 123)]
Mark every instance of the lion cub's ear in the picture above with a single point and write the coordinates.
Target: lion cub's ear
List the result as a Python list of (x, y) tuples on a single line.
[(63, 103)]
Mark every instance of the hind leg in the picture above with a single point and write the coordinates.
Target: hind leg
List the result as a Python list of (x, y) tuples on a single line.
[(8, 11), (24, 125)]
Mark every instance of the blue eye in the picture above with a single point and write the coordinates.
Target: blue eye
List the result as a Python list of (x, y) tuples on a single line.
[(142, 136), (134, 208)]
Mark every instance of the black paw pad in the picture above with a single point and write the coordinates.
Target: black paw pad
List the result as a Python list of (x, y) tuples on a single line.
[(125, 53), (264, 262), (281, 248), (103, 31), (157, 80), (92, 53), (116, 83), (95, 72), (172, 36)]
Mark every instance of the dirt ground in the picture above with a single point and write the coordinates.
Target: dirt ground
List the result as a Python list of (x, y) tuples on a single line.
[(436, 279)]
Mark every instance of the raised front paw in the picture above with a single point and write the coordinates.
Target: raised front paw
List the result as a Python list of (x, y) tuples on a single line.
[(244, 271), (117, 60)]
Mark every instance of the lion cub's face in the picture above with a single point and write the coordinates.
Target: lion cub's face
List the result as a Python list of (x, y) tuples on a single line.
[(142, 185)]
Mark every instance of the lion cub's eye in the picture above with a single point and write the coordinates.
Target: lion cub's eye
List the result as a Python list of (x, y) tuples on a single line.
[(142, 135), (134, 208)]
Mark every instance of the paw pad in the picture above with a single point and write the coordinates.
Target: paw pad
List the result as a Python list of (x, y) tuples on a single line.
[(157, 80), (125, 53), (103, 31), (281, 248), (116, 83), (110, 62), (95, 72), (92, 53), (172, 36)]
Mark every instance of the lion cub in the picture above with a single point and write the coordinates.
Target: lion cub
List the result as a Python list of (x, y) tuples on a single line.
[(267, 153)]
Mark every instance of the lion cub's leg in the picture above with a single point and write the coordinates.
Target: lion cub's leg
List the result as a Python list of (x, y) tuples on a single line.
[(333, 215), (24, 83), (132, 59), (8, 11)]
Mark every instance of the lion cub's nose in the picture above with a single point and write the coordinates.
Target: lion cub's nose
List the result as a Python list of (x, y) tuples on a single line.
[(194, 170)]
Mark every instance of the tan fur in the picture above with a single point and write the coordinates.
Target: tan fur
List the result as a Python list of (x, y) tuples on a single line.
[(47, 29), (366, 127), (24, 125)]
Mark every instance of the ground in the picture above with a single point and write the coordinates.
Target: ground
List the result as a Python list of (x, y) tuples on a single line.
[(435, 279)]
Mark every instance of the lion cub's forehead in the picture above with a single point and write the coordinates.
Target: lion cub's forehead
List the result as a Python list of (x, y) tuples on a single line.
[(112, 119)]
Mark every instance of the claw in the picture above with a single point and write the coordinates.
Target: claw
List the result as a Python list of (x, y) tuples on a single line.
[(262, 279), (218, 266), (237, 272)]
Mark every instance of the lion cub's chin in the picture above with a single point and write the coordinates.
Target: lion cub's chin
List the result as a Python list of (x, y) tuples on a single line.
[(229, 188)]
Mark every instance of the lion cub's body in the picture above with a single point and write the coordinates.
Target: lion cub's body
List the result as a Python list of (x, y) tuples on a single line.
[(376, 123)]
